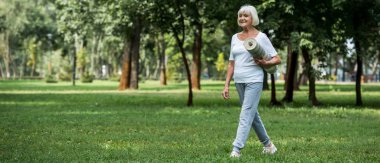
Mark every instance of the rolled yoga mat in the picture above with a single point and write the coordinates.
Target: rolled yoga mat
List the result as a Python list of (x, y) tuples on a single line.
[(258, 52)]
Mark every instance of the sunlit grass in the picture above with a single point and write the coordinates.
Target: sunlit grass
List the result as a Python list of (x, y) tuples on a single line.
[(96, 123)]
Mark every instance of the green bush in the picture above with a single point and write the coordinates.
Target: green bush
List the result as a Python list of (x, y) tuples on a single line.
[(32, 78), (65, 69), (64, 77), (87, 78), (50, 79)]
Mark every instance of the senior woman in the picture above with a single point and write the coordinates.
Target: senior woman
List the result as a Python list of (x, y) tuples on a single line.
[(248, 78)]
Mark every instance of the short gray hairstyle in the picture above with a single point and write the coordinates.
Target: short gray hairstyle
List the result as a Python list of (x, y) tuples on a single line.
[(252, 10)]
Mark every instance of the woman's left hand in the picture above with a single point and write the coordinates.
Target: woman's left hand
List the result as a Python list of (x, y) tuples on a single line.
[(261, 62), (268, 63)]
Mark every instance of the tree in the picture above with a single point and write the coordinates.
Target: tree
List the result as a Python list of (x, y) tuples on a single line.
[(74, 25), (281, 22), (314, 35), (202, 15), (361, 24), (161, 48), (301, 34), (13, 18), (129, 16), (171, 16), (31, 49), (195, 9), (273, 99), (24, 23)]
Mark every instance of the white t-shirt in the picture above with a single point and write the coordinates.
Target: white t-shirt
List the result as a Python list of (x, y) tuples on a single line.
[(246, 70)]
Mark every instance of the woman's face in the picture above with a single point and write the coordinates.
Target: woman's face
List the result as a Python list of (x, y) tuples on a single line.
[(245, 19)]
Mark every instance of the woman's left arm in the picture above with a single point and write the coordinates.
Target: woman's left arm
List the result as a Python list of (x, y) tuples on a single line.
[(273, 61)]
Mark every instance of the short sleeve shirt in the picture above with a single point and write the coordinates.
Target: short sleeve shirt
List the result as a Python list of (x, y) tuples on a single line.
[(246, 70)]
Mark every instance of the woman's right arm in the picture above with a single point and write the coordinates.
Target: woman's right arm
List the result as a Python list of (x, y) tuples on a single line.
[(230, 72)]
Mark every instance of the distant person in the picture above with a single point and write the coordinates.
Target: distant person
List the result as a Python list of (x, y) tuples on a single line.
[(248, 77)]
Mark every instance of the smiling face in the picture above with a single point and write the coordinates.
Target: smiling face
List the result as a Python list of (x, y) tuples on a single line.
[(247, 15), (245, 19)]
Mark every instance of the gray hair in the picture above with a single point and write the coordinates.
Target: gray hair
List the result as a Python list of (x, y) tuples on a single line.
[(252, 10)]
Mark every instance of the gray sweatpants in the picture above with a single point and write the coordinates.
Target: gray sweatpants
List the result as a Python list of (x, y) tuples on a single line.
[(249, 94)]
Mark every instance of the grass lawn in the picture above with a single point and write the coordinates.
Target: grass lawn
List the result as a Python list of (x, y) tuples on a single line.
[(96, 123)]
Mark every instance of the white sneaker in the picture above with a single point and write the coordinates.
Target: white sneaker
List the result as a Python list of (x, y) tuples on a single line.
[(235, 154), (271, 149)]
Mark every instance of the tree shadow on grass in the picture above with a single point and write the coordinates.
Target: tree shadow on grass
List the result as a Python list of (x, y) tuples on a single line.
[(157, 100)]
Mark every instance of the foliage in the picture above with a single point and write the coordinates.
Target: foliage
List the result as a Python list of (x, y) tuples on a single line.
[(72, 18), (32, 50), (214, 42), (65, 73), (23, 20), (175, 68), (220, 65), (149, 59), (82, 58), (87, 78), (13, 14), (220, 62), (50, 78)]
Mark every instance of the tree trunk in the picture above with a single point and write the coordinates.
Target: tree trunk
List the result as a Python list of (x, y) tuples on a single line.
[(288, 64), (126, 69), (180, 43), (6, 65), (74, 66), (329, 64), (14, 68), (94, 53), (296, 84), (79, 44), (375, 65), (265, 81), (184, 59), (1, 71), (359, 71), (290, 80), (197, 47), (302, 78), (190, 99), (343, 68), (179, 29), (311, 76), (365, 70), (157, 67), (33, 69), (273, 99), (135, 52), (161, 53), (7, 56), (336, 67), (288, 61), (130, 70), (378, 79), (23, 67)]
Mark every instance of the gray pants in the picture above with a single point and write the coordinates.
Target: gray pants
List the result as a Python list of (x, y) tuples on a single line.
[(249, 94)]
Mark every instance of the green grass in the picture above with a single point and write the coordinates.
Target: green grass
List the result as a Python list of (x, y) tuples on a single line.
[(96, 123)]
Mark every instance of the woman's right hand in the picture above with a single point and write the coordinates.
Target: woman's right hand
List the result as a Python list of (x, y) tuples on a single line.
[(226, 93), (230, 72)]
